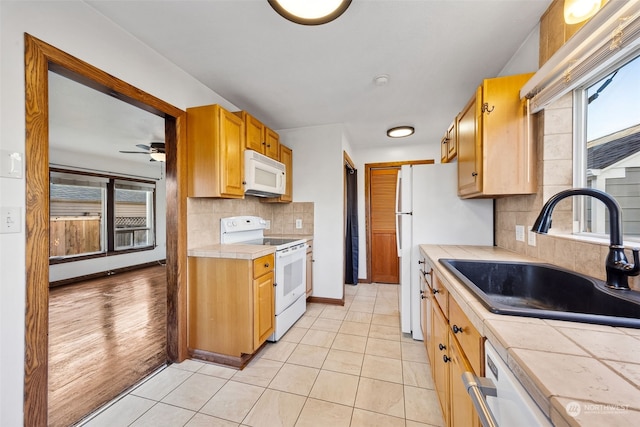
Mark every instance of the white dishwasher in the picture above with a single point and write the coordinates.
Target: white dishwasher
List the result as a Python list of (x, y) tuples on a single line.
[(499, 398)]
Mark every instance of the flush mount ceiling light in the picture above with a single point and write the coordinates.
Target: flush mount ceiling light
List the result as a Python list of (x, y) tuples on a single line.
[(576, 11), (400, 131), (310, 12)]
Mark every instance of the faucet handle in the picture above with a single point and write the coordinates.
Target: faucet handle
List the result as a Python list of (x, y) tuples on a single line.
[(634, 269)]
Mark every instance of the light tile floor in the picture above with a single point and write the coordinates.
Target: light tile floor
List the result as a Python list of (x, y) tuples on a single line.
[(338, 366)]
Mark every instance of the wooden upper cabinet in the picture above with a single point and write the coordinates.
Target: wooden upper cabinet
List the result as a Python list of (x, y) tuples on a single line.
[(496, 154), (272, 144), (215, 146), (449, 144), (258, 137)]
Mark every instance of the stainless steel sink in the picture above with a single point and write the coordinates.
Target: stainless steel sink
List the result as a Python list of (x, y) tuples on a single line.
[(546, 291)]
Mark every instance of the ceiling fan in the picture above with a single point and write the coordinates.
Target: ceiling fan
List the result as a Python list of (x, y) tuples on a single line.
[(155, 150)]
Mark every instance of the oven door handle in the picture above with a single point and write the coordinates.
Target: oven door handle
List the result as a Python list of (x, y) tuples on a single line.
[(479, 388)]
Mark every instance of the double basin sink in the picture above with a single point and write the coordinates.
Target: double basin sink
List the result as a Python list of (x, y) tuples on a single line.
[(546, 291)]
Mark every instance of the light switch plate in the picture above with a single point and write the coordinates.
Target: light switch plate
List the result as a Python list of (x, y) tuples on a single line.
[(520, 233), (267, 225), (10, 220), (298, 223), (10, 164), (532, 238)]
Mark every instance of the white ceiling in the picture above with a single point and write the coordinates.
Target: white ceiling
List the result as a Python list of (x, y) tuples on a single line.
[(435, 52)]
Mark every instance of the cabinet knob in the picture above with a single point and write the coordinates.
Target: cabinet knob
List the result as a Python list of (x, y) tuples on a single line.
[(445, 358), (456, 329), (436, 291), (442, 347), (474, 174), (421, 262), (266, 265), (422, 296)]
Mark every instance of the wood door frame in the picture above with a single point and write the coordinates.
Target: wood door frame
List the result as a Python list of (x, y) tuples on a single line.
[(41, 57), (367, 198)]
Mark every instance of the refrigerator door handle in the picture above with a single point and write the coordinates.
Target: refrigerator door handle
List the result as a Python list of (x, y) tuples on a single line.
[(398, 191), (398, 235)]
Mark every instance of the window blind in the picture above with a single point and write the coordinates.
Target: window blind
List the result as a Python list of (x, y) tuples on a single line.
[(609, 39)]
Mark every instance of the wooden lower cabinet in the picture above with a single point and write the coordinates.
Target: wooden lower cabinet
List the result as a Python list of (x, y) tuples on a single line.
[(309, 268), (440, 366), (454, 346), (231, 307), (461, 409)]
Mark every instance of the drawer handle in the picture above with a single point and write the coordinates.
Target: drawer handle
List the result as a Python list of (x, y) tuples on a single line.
[(445, 358), (420, 262), (456, 329), (442, 346), (436, 291), (422, 296)]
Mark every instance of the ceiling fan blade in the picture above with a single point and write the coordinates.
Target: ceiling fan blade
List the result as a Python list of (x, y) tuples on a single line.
[(143, 147), (134, 152)]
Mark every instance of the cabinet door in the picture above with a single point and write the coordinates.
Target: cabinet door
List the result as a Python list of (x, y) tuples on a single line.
[(469, 147), (286, 157), (444, 150), (462, 411), (272, 144), (440, 364), (309, 272), (264, 306), (254, 133), (231, 154), (452, 141)]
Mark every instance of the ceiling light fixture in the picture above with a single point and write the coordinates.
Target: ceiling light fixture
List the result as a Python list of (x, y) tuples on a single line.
[(157, 156), (310, 12), (576, 11), (400, 131)]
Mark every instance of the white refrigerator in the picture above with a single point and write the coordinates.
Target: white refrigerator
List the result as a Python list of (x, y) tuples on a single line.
[(429, 211)]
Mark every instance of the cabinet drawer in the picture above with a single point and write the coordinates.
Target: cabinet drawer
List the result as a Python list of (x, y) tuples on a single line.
[(441, 295), (467, 335), (262, 265)]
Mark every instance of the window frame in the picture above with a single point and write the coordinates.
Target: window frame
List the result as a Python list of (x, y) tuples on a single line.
[(108, 229), (580, 179)]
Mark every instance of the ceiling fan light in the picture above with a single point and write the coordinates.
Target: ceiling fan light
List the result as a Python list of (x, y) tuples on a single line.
[(158, 157), (576, 11), (310, 12), (400, 131)]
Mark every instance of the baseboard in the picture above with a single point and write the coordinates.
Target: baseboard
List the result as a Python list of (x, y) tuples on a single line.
[(101, 274), (322, 300)]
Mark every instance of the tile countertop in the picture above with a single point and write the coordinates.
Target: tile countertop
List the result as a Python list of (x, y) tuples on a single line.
[(240, 251), (557, 362)]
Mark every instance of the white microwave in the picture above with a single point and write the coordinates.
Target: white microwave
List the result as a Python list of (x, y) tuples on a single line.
[(263, 176)]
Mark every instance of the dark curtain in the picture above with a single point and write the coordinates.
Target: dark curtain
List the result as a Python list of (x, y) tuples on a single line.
[(351, 243)]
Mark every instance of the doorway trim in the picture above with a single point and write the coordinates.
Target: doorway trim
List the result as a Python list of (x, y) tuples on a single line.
[(41, 57), (367, 199)]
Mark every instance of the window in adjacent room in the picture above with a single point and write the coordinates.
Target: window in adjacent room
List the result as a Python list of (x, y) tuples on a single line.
[(609, 137), (95, 215)]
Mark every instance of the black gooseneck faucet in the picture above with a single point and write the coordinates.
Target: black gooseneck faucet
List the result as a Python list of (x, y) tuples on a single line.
[(617, 267)]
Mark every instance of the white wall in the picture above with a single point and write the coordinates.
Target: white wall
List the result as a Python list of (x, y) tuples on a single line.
[(318, 177), (75, 28), (393, 153), (526, 58)]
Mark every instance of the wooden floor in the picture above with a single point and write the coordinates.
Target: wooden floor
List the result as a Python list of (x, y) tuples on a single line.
[(104, 336)]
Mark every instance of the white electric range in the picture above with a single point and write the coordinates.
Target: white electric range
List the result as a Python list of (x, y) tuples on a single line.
[(290, 266)]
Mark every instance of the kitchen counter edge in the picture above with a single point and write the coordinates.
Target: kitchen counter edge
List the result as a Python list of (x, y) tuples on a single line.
[(614, 394)]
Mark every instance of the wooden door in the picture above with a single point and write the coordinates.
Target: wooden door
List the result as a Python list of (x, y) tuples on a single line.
[(469, 148), (272, 144), (385, 266), (440, 366)]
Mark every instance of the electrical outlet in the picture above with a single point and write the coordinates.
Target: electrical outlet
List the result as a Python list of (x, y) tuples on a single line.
[(298, 224), (10, 220), (532, 238), (520, 233), (267, 224)]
